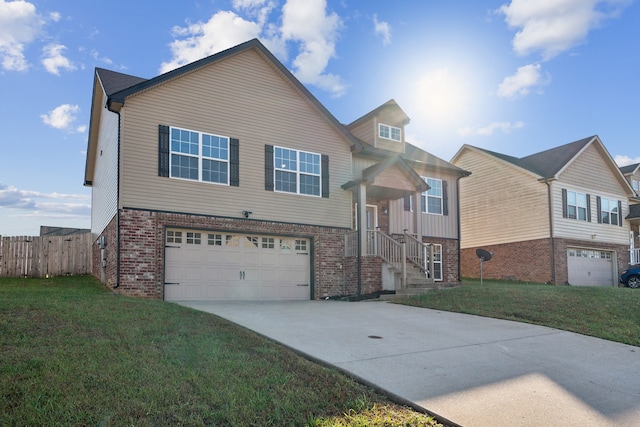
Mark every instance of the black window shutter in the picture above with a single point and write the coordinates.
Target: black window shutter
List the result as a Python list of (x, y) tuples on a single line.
[(234, 162), (619, 213), (599, 205), (163, 150), (325, 175), (589, 207), (407, 203), (564, 203), (445, 198), (268, 167)]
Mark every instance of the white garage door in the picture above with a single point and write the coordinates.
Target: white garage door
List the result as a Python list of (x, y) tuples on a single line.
[(590, 267), (203, 265)]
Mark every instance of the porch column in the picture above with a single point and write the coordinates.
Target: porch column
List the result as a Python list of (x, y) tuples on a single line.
[(417, 215), (362, 218)]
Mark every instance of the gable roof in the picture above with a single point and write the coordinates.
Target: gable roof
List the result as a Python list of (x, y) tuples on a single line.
[(369, 174), (389, 105), (548, 163), (113, 81), (630, 169), (117, 99)]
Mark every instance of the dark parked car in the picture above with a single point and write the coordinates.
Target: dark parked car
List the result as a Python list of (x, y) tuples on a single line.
[(631, 277)]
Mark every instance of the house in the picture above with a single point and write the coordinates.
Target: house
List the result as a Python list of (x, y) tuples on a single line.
[(557, 216), (632, 174), (227, 179)]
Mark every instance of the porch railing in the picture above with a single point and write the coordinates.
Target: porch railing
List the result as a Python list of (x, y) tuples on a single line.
[(420, 254), (634, 256)]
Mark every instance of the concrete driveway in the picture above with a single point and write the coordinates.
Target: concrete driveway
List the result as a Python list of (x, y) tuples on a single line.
[(472, 370)]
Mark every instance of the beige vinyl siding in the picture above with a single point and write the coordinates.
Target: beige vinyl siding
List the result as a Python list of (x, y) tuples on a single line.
[(590, 168), (241, 97), (365, 131), (360, 164), (500, 203), (104, 191), (444, 226), (584, 230)]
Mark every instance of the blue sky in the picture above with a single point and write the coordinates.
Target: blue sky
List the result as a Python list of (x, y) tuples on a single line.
[(513, 76)]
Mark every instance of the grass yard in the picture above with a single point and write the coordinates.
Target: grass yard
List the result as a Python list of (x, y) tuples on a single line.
[(73, 353), (609, 313)]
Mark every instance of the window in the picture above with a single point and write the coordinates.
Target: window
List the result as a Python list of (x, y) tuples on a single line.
[(253, 240), (296, 171), (199, 156), (432, 198), (609, 211), (193, 238), (576, 205), (268, 243), (301, 245), (174, 236), (214, 240), (437, 262), (389, 132), (635, 184)]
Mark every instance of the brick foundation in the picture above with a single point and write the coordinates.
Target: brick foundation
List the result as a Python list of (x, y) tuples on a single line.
[(530, 261)]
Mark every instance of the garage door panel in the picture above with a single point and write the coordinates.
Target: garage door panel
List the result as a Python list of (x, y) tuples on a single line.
[(588, 267), (234, 266)]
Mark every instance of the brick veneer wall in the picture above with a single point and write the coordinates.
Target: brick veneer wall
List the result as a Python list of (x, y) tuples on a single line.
[(142, 248), (371, 273), (449, 258), (530, 261)]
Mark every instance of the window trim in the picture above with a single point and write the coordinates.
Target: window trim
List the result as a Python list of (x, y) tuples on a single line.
[(577, 206), (390, 131), (635, 184), (298, 173), (440, 263), (200, 156), (424, 197), (612, 205)]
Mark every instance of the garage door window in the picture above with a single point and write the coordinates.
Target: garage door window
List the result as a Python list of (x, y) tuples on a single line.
[(174, 236), (194, 238), (268, 243), (214, 240), (301, 245)]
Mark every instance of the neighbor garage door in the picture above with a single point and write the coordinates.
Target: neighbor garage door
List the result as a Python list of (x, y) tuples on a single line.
[(590, 267), (203, 265)]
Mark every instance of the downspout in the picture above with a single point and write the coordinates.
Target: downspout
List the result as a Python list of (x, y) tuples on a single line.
[(359, 254), (459, 226), (551, 240), (117, 285)]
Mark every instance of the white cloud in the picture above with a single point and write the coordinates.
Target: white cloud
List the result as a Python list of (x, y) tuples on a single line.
[(383, 29), (527, 77), (96, 55), (504, 127), (54, 60), (223, 30), (304, 22), (55, 16), (63, 117), (554, 26), (75, 204), (307, 22), (20, 24), (622, 160)]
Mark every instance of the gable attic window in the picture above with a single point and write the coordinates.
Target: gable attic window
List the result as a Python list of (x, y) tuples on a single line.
[(389, 132), (635, 184), (197, 156)]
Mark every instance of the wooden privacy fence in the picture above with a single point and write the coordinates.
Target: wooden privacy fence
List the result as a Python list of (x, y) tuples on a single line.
[(39, 256)]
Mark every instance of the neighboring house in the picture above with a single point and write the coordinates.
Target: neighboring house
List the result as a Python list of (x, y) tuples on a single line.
[(632, 174), (227, 179), (557, 216)]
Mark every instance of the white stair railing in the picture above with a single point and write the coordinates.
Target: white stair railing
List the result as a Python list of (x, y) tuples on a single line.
[(420, 254), (634, 256)]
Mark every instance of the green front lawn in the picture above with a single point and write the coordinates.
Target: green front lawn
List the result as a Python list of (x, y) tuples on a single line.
[(72, 353), (604, 312)]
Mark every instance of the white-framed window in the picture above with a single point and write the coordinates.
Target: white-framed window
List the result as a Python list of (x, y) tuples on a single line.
[(214, 239), (431, 200), (635, 184), (389, 132), (577, 205), (174, 236), (437, 262), (609, 211), (296, 171), (194, 238), (199, 156)]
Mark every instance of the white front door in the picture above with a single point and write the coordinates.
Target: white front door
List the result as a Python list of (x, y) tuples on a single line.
[(372, 217)]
